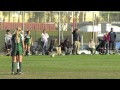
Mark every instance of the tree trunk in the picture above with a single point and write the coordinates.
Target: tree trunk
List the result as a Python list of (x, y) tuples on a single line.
[(9, 17)]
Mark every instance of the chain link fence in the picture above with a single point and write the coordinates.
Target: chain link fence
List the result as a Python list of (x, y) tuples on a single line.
[(59, 24)]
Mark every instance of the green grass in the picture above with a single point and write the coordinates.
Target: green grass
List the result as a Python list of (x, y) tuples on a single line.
[(64, 67)]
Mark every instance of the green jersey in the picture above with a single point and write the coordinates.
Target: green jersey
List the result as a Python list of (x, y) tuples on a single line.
[(17, 48), (28, 39)]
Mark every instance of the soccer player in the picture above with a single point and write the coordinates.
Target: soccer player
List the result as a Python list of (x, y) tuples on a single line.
[(28, 42), (17, 50)]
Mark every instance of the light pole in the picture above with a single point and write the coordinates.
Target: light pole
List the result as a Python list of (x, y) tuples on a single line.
[(13, 19), (18, 15), (59, 27), (13, 22), (72, 26), (93, 27), (23, 13), (108, 17)]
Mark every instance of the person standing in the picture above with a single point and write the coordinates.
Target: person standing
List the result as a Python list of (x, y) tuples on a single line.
[(17, 50), (112, 40), (8, 42), (44, 41), (76, 41), (106, 38), (28, 42)]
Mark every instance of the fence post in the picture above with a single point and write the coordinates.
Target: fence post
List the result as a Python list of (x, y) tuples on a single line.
[(23, 12), (82, 42), (59, 26)]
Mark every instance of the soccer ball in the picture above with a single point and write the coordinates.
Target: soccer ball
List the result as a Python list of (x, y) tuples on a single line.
[(53, 55)]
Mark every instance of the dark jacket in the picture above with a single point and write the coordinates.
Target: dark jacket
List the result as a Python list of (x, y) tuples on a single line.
[(67, 44), (52, 43), (112, 36), (76, 36)]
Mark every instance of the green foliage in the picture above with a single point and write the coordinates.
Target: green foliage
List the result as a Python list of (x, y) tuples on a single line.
[(113, 16), (38, 16)]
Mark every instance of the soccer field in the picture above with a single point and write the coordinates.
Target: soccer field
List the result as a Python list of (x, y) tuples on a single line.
[(64, 67)]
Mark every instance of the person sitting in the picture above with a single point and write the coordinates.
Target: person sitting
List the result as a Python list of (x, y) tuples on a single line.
[(92, 47), (67, 46)]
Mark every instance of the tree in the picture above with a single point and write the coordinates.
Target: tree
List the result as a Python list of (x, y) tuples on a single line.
[(38, 16), (5, 14), (113, 16)]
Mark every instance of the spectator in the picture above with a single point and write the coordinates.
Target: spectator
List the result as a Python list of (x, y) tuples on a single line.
[(57, 47), (101, 46), (8, 42), (112, 40), (44, 42), (67, 46), (106, 38), (76, 41), (51, 47), (92, 47)]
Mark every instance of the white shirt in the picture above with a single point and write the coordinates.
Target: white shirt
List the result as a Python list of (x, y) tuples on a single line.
[(8, 39), (22, 37), (44, 37), (91, 44)]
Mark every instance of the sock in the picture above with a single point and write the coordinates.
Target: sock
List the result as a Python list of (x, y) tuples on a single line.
[(17, 66), (26, 52), (13, 66), (20, 66)]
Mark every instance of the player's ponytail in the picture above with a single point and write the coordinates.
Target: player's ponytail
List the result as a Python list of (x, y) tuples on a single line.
[(17, 33)]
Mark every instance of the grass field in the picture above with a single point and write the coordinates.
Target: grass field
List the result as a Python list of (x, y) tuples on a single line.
[(64, 67)]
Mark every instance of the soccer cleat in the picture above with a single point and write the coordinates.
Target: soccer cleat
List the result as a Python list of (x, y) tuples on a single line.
[(13, 73), (20, 73)]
